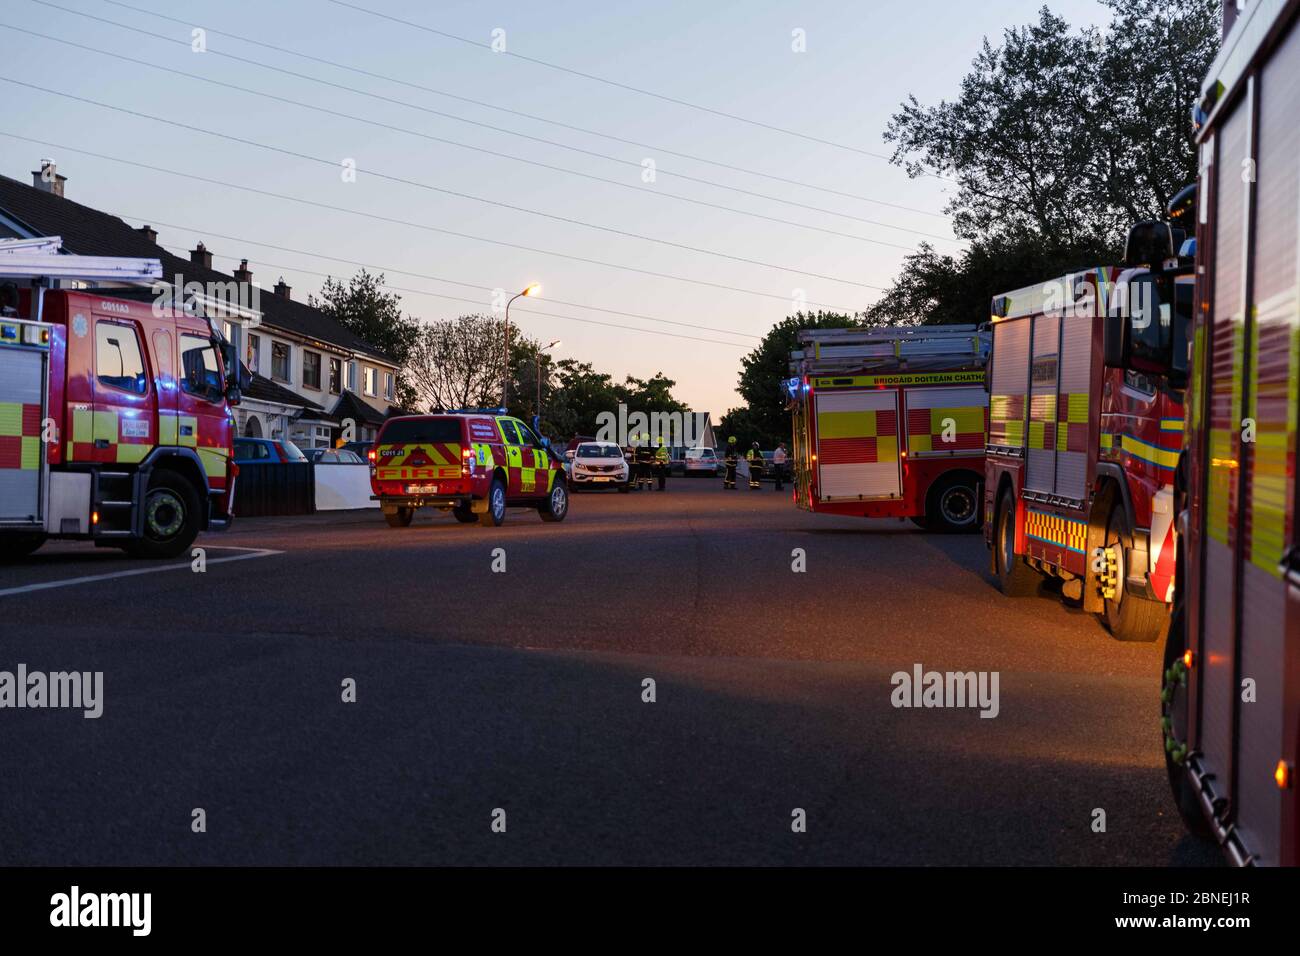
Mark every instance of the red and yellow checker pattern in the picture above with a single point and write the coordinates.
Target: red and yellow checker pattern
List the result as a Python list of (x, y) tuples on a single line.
[(1007, 420), (945, 429), (857, 437), (1072, 422), (20, 436), (1054, 529)]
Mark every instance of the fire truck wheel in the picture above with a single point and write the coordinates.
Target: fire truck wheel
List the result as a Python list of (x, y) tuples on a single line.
[(1184, 796), (1015, 578), (15, 547), (953, 505), (401, 518), (171, 517), (496, 509), (1128, 616), (557, 503)]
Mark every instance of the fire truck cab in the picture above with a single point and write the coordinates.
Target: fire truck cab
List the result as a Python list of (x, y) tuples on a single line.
[(1086, 425), (890, 423), (115, 422), (1231, 684)]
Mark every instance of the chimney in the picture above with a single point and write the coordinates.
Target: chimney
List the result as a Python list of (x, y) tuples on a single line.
[(199, 256), (282, 290), (242, 274), (149, 232), (47, 178)]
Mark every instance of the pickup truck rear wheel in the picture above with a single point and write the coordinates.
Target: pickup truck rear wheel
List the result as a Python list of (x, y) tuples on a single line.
[(464, 514), (496, 509), (1128, 616), (171, 517), (401, 518)]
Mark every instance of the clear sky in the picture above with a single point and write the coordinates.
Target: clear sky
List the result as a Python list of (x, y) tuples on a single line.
[(863, 57)]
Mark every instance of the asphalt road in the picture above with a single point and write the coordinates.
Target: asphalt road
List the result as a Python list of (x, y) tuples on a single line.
[(522, 690)]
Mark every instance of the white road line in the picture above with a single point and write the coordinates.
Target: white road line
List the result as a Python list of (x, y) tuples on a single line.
[(90, 578)]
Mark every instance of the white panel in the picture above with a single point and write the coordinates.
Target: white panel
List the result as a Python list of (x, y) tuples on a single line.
[(946, 397), (878, 480)]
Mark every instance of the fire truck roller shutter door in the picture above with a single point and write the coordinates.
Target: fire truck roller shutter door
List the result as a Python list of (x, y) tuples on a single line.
[(1040, 454), (928, 411), (21, 382), (1073, 401), (857, 444), (1010, 383)]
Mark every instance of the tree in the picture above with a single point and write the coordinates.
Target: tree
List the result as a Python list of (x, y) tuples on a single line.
[(763, 371), (375, 316), (457, 364)]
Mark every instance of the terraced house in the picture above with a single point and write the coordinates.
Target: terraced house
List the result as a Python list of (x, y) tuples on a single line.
[(311, 376)]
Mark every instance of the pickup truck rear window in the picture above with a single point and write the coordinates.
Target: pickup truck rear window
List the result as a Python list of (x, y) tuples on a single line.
[(422, 430)]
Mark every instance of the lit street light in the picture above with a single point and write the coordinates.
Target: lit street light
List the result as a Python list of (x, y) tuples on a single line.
[(532, 289)]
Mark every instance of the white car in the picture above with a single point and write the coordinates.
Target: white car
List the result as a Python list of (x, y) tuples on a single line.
[(700, 461), (598, 464)]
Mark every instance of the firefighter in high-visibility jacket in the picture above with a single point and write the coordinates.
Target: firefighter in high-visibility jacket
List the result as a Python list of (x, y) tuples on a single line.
[(754, 458), (661, 463), (729, 460)]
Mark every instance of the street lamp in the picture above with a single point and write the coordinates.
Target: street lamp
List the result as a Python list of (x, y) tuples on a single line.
[(532, 289), (537, 409)]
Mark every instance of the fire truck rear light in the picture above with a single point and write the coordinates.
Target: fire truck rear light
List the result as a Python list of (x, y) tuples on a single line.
[(94, 517), (1283, 775)]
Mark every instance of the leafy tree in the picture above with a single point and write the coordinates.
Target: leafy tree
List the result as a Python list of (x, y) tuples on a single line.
[(364, 308), (456, 363), (763, 371)]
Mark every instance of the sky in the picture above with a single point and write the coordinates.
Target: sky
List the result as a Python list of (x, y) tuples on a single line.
[(641, 271)]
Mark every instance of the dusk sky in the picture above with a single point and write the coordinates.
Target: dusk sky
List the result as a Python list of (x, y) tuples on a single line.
[(733, 57)]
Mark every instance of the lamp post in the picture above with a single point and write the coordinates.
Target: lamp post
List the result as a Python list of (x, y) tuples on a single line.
[(531, 290), (537, 409)]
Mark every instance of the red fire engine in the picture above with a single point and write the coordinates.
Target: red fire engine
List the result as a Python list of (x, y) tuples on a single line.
[(890, 422), (115, 423), (1083, 440), (1231, 691)]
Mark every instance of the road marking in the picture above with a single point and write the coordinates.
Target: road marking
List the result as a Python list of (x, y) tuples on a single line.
[(91, 578)]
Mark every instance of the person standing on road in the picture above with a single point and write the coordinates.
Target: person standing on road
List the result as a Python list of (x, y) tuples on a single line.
[(755, 459), (730, 459), (778, 465), (661, 463)]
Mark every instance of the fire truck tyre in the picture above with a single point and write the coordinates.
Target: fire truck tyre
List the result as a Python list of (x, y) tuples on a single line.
[(15, 547), (557, 503), (1128, 616), (1184, 796), (464, 514), (496, 509), (171, 517), (401, 518), (953, 505), (1015, 578)]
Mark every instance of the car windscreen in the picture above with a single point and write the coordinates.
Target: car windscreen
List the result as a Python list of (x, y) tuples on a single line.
[(422, 430), (599, 451)]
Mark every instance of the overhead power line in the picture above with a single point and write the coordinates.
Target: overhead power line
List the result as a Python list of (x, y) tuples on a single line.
[(514, 112), (388, 177), (414, 225), (608, 82)]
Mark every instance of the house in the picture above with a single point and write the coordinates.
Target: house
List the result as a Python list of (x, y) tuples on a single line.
[(312, 377)]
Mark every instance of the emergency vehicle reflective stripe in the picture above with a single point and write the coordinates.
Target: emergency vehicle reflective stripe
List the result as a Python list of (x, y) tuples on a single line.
[(1142, 450), (1054, 529), (1072, 422), (945, 429), (1222, 485), (20, 436), (417, 460), (1273, 394), (1042, 422), (1007, 420), (859, 436), (124, 436)]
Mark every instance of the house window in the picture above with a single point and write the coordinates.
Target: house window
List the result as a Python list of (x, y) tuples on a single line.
[(372, 381), (117, 358), (336, 375), (280, 361), (352, 376), (254, 353), (310, 369), (388, 386)]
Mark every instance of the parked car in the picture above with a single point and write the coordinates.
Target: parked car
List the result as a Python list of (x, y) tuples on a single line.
[(701, 461), (253, 450), (333, 456), (597, 464), (361, 448)]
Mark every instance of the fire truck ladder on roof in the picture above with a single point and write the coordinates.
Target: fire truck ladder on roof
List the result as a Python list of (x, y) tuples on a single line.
[(961, 343), (42, 262)]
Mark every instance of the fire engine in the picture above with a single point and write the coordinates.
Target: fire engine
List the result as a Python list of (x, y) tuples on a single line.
[(891, 422), (1231, 691), (115, 422), (1084, 437)]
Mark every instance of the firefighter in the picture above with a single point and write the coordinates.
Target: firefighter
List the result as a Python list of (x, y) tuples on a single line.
[(730, 459), (755, 459), (661, 463), (778, 465)]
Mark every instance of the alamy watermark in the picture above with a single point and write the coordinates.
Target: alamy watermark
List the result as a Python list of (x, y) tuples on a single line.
[(953, 689), (72, 690), (625, 428)]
